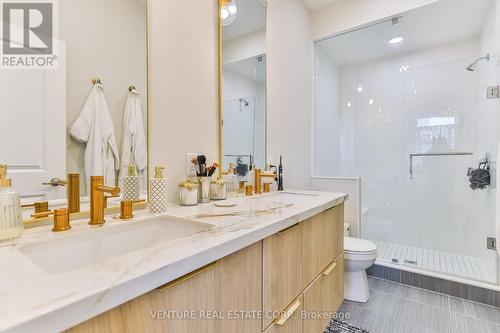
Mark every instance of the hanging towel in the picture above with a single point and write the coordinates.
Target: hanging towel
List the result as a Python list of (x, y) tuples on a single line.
[(134, 143), (95, 128)]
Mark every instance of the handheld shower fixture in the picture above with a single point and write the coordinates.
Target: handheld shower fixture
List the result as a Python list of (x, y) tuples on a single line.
[(472, 67), (244, 102)]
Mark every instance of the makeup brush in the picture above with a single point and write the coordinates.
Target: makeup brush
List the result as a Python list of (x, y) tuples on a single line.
[(202, 161), (196, 166), (212, 169)]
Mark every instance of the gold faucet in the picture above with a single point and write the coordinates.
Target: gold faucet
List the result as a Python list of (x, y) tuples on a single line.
[(41, 209), (258, 180), (61, 219), (73, 195), (97, 199), (127, 208), (73, 192)]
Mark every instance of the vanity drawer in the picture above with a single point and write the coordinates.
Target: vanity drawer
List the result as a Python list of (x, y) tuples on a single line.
[(324, 297), (196, 291), (282, 270), (291, 321), (240, 290), (323, 241)]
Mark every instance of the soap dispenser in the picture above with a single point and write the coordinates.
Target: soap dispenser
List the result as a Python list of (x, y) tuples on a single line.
[(131, 185), (158, 192), (11, 222), (231, 181)]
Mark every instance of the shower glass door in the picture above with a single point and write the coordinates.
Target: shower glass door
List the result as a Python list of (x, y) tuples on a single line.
[(409, 118), (449, 126)]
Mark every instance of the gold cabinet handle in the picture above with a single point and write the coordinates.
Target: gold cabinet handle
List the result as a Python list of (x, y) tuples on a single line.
[(281, 232), (186, 277), (287, 313), (329, 269)]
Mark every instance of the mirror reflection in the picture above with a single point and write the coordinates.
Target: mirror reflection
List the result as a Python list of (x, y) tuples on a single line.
[(88, 115), (243, 85)]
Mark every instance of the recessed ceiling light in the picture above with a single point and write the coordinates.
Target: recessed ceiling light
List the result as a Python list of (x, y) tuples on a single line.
[(395, 40), (370, 101), (360, 88)]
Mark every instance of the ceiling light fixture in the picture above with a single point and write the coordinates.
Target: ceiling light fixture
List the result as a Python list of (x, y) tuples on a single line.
[(395, 40), (228, 11)]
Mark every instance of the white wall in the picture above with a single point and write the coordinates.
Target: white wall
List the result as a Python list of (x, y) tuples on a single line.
[(327, 120), (183, 77), (289, 87), (236, 86), (352, 207), (244, 47), (345, 15), (105, 39)]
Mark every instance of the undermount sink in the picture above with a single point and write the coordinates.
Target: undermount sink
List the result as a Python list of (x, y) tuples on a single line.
[(96, 246)]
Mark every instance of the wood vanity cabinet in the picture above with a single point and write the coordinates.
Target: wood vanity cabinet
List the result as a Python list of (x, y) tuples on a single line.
[(324, 296), (240, 290), (233, 283), (282, 270), (323, 241), (297, 271)]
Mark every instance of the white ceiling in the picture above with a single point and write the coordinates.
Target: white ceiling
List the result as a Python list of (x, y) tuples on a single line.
[(251, 17), (439, 23), (317, 4)]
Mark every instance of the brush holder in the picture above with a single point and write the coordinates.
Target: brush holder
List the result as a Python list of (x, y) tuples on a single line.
[(204, 189)]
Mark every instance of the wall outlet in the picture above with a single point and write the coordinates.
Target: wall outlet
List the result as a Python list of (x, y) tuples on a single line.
[(493, 92), (190, 167)]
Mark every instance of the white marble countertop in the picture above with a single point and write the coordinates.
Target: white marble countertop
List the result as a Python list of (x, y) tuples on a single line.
[(32, 300)]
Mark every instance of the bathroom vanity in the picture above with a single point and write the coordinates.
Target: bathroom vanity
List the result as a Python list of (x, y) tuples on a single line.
[(271, 263)]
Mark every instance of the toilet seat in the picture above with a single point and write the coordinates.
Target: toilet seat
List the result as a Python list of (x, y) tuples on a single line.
[(359, 249), (356, 245), (360, 256)]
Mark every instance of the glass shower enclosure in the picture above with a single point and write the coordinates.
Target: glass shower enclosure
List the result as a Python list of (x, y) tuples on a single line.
[(410, 120)]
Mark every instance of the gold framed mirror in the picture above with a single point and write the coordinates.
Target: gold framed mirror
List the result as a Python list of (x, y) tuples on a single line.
[(96, 43), (242, 86)]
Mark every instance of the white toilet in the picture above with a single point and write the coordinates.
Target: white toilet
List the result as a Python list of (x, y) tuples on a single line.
[(359, 255)]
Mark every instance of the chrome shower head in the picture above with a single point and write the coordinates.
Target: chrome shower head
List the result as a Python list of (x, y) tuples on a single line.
[(472, 67)]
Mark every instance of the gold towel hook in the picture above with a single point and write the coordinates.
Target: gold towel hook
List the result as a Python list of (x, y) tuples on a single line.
[(131, 88), (96, 80)]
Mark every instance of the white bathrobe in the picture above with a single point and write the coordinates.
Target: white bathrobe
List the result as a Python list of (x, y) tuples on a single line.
[(95, 127), (134, 143)]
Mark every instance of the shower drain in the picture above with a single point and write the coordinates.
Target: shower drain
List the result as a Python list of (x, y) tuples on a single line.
[(407, 261), (411, 262)]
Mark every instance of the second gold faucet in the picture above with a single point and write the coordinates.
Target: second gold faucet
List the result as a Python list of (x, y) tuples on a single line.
[(97, 199)]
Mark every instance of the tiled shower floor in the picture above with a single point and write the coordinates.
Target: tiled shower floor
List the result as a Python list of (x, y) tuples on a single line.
[(448, 263), (397, 308)]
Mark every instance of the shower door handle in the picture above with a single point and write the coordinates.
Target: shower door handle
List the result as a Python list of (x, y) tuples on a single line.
[(434, 154)]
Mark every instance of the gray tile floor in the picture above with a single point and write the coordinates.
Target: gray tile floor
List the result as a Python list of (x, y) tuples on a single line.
[(397, 308)]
